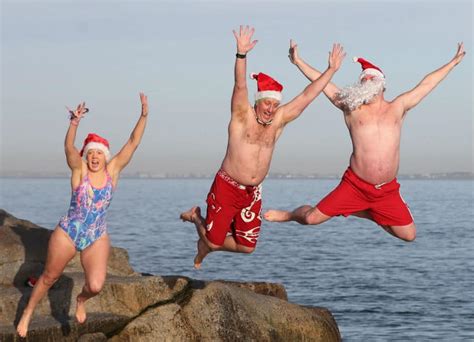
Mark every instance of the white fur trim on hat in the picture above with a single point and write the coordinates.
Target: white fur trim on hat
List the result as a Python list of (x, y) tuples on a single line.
[(97, 146), (372, 72), (272, 94)]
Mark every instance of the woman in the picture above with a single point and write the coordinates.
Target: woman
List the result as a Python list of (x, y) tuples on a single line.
[(83, 229)]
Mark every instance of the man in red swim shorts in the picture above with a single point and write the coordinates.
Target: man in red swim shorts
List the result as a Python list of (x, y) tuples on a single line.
[(235, 206), (382, 202), (369, 187), (234, 201)]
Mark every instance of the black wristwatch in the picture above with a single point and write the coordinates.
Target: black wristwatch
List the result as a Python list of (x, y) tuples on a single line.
[(239, 55)]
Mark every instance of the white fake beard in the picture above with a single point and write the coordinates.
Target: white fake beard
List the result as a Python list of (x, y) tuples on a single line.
[(353, 96)]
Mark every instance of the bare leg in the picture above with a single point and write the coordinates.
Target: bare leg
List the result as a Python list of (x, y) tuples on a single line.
[(194, 215), (204, 246), (60, 252), (305, 214), (230, 245), (94, 261), (406, 233), (366, 214), (202, 251)]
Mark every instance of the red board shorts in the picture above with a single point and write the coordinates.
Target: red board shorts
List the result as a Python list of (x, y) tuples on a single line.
[(233, 209), (382, 201)]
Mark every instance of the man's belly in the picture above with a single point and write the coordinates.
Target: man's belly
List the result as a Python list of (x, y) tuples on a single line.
[(246, 172), (375, 170)]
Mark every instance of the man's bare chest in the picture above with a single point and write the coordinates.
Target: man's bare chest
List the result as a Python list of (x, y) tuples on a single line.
[(379, 121), (260, 136)]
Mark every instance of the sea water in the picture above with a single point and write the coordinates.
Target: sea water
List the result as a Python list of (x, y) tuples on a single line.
[(379, 288)]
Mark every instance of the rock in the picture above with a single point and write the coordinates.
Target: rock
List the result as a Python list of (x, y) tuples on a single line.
[(136, 307), (224, 312), (267, 289), (163, 323), (123, 296), (50, 329), (95, 337)]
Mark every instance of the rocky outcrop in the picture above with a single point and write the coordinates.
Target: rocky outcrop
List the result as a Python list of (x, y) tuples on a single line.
[(133, 307)]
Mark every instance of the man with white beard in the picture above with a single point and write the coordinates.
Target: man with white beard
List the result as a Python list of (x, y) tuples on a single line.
[(369, 188)]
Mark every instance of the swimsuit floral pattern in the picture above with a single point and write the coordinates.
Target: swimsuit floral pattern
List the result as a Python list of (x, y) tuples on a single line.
[(85, 221)]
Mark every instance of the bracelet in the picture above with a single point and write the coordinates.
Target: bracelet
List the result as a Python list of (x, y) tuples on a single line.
[(239, 55), (75, 119)]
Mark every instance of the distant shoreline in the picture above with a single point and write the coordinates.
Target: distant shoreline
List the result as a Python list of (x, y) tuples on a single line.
[(283, 176)]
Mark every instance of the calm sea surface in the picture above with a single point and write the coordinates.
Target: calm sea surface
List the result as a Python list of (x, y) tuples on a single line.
[(378, 288)]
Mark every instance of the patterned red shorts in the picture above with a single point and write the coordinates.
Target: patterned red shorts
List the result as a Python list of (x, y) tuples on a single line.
[(233, 209)]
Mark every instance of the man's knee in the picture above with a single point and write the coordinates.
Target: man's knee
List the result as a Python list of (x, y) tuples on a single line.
[(410, 235), (314, 216), (213, 247), (405, 233), (246, 249)]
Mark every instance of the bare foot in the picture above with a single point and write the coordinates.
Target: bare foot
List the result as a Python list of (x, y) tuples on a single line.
[(191, 215), (277, 215), (202, 251), (22, 327), (81, 311)]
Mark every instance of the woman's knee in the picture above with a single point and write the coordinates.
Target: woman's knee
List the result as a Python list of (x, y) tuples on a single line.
[(49, 278), (95, 286)]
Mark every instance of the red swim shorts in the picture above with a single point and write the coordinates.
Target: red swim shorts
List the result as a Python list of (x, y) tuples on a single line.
[(233, 209), (353, 194)]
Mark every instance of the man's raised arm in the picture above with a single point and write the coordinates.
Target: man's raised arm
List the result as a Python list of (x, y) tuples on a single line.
[(311, 74), (412, 97), (296, 106), (240, 102)]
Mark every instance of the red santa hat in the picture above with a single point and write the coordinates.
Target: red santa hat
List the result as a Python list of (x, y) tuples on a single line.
[(368, 68), (94, 141), (267, 87)]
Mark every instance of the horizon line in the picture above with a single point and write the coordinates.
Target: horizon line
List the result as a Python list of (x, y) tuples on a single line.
[(273, 175)]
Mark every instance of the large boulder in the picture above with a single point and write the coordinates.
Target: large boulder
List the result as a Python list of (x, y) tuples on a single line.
[(222, 312), (134, 307)]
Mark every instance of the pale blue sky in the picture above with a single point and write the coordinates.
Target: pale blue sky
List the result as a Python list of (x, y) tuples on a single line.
[(181, 54)]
